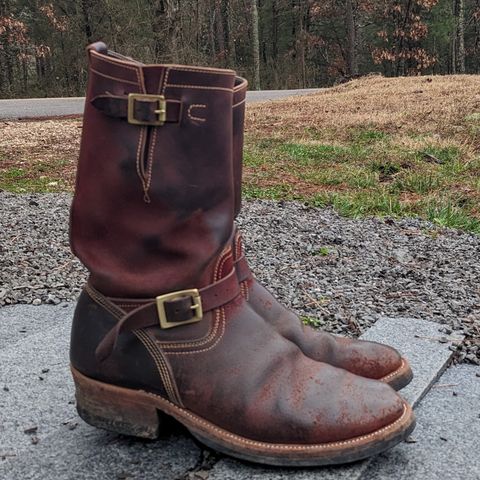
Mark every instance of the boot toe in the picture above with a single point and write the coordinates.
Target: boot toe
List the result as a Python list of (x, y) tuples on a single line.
[(367, 359)]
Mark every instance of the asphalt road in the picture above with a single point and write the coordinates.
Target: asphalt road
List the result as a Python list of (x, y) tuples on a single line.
[(60, 107)]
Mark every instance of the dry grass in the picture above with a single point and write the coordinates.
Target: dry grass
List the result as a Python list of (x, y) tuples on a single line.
[(374, 146), (398, 106), (39, 155)]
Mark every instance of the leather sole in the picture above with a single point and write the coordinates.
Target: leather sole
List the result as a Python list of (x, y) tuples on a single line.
[(139, 413), (401, 377)]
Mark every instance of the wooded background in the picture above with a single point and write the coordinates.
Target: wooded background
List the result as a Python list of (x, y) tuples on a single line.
[(274, 43)]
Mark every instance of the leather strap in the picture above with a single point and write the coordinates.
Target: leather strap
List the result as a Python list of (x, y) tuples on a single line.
[(243, 270), (116, 106), (213, 296)]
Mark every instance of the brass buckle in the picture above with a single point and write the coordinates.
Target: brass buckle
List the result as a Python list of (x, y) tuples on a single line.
[(161, 110), (196, 307)]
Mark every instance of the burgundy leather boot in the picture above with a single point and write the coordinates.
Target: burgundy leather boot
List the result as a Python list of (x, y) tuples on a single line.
[(162, 329), (368, 359)]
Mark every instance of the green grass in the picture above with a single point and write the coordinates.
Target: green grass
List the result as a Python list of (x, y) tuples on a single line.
[(370, 174), (40, 179)]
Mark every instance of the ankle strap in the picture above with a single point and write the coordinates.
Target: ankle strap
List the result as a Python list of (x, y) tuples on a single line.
[(172, 310)]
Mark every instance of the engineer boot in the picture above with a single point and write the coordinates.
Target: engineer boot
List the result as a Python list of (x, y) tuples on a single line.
[(162, 329), (368, 359)]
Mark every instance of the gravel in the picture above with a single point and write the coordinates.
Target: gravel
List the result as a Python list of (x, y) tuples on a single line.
[(339, 274)]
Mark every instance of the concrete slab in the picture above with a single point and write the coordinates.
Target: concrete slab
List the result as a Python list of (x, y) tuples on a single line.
[(19, 321), (447, 436), (36, 389), (420, 342), (37, 397), (64, 447), (90, 454)]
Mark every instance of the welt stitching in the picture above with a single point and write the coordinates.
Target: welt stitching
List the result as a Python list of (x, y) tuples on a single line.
[(171, 85), (222, 323), (280, 447), (193, 117), (393, 374), (141, 336), (110, 77)]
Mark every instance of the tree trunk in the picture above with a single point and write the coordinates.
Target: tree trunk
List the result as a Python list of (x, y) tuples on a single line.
[(256, 46), (87, 25), (459, 13), (352, 57)]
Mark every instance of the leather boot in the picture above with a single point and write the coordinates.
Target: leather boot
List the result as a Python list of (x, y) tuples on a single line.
[(367, 359), (161, 329)]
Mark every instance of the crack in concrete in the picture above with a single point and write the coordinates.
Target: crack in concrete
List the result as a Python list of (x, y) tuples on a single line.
[(206, 462)]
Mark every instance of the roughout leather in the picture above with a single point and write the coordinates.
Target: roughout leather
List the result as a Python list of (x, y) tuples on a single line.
[(143, 231), (368, 359)]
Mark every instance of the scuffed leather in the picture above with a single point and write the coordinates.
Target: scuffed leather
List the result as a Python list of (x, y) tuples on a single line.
[(147, 197), (368, 359), (142, 238)]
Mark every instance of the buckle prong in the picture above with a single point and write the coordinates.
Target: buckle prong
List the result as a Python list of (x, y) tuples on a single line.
[(161, 111), (196, 307)]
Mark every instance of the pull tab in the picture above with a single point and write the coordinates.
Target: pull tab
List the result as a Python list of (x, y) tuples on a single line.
[(99, 47)]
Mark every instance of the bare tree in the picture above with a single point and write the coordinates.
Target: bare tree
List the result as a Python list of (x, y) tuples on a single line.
[(351, 24), (458, 40), (255, 45)]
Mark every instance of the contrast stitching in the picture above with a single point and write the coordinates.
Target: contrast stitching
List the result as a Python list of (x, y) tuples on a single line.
[(140, 78), (212, 71), (165, 80), (196, 343), (103, 302), (240, 103), (193, 117), (139, 155), (171, 85), (118, 63), (221, 313), (272, 446), (139, 335), (393, 374), (159, 361), (220, 262), (238, 246), (146, 186), (241, 86), (110, 77)]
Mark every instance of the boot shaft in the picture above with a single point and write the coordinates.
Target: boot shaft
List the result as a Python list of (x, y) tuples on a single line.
[(239, 99), (155, 198)]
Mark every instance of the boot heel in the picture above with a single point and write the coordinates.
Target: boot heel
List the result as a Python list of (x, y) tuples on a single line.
[(111, 408)]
